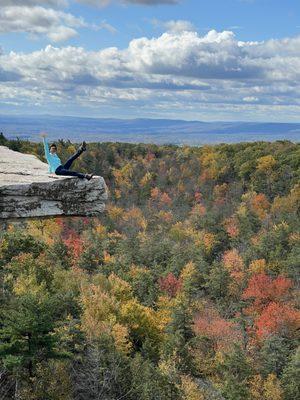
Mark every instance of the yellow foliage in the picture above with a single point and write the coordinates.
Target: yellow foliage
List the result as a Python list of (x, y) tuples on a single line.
[(209, 163), (136, 271), (10, 228), (287, 204), (119, 288), (114, 212), (168, 367), (47, 230), (99, 310), (101, 232), (136, 217), (123, 176), (294, 237), (118, 193), (180, 187), (146, 179), (188, 272), (256, 388), (242, 210), (121, 337), (272, 388), (189, 389), (209, 241), (181, 231), (268, 389), (107, 258), (220, 190), (284, 226), (234, 263), (266, 163), (142, 320), (27, 284), (257, 266), (212, 164), (164, 311), (71, 149)]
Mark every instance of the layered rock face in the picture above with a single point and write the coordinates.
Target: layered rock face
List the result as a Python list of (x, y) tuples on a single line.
[(28, 190)]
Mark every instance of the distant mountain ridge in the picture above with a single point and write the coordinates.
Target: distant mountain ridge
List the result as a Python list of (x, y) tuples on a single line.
[(143, 130)]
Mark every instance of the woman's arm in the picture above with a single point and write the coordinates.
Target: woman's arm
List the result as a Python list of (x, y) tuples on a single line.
[(46, 147)]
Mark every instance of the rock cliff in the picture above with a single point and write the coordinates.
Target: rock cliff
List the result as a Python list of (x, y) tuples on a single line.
[(28, 190)]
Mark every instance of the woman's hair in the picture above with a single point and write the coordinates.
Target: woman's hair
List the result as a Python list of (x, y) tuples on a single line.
[(53, 145)]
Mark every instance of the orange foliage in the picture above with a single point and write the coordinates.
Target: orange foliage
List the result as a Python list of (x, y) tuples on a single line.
[(223, 333), (165, 199), (231, 226), (277, 318), (155, 193), (263, 289), (220, 192), (74, 244), (234, 263), (198, 210), (135, 217), (209, 240), (271, 310), (150, 156), (198, 197), (260, 205), (166, 216)]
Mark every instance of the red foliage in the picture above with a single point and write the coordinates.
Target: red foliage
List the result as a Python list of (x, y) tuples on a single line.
[(231, 226), (198, 197), (272, 311), (150, 156), (170, 284), (74, 243), (165, 199), (223, 333), (277, 318), (263, 289)]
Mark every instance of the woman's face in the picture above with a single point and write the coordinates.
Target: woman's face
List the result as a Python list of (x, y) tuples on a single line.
[(52, 150)]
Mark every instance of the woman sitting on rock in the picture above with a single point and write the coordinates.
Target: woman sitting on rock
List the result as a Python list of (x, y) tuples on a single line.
[(55, 165)]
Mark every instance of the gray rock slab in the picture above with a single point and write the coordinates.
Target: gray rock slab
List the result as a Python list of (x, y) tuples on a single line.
[(28, 190)]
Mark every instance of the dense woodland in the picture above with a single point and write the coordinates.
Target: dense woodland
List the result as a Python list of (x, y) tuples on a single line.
[(186, 288)]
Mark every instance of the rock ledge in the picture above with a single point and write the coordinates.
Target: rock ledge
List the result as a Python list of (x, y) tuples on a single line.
[(28, 190)]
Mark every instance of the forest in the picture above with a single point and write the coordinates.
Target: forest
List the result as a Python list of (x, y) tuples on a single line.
[(186, 288)]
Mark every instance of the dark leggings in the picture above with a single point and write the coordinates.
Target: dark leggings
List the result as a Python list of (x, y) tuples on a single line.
[(64, 169)]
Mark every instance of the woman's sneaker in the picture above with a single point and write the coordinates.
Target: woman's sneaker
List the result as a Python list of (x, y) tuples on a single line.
[(89, 176), (82, 147)]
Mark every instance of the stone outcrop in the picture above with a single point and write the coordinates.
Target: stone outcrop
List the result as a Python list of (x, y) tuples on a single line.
[(28, 190)]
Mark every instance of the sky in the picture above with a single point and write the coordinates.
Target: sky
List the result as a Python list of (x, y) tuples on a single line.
[(216, 60)]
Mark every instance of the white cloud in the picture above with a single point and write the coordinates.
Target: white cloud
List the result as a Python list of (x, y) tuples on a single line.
[(57, 25), (107, 26), (250, 99), (30, 3), (174, 25), (102, 3), (61, 33), (177, 69)]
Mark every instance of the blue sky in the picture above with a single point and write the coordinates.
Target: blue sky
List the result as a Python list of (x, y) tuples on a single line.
[(207, 60)]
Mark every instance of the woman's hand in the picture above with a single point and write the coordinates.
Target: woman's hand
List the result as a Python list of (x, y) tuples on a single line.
[(43, 134)]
